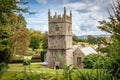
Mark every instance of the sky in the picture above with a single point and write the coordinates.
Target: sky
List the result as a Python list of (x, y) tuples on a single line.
[(85, 14)]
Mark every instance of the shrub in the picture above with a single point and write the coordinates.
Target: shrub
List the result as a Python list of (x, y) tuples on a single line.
[(16, 60), (30, 52), (93, 61), (35, 60), (114, 66), (43, 52), (26, 62), (3, 68)]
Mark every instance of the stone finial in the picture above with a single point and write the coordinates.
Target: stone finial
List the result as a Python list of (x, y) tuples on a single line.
[(64, 10), (48, 12), (55, 14), (70, 13)]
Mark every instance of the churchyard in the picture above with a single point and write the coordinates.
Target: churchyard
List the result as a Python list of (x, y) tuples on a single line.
[(77, 42), (35, 72)]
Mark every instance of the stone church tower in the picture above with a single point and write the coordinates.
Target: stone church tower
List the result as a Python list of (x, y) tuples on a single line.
[(59, 40)]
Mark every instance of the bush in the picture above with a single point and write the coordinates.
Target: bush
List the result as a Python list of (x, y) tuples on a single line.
[(3, 68), (26, 62), (43, 52), (113, 65), (30, 52), (16, 60), (35, 60), (93, 61)]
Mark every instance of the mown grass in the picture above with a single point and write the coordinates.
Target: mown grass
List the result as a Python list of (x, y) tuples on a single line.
[(34, 71), (32, 67)]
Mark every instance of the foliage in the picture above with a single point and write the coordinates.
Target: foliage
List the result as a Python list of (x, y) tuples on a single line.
[(35, 60), (45, 40), (67, 73), (43, 52), (34, 72), (30, 52), (4, 42), (76, 39), (8, 10), (91, 39), (20, 37), (113, 27), (36, 39), (90, 61), (98, 74), (16, 60), (26, 62), (3, 68)]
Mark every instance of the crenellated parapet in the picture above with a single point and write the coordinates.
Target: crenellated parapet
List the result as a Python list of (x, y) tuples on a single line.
[(60, 18)]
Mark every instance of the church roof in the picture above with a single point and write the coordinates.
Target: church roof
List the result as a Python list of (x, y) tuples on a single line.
[(75, 47), (88, 50), (85, 50)]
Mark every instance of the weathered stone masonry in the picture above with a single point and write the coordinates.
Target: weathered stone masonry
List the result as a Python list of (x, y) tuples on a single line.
[(59, 39)]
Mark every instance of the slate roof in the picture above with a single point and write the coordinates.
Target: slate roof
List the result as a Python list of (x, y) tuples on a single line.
[(86, 50)]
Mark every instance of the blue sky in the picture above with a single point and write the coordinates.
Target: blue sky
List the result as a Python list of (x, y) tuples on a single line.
[(85, 14)]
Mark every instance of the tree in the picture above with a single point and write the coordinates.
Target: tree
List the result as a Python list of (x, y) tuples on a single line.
[(8, 8), (36, 39), (45, 40), (113, 27), (20, 37), (91, 39)]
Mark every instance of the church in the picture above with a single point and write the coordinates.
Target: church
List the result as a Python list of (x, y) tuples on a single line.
[(60, 49)]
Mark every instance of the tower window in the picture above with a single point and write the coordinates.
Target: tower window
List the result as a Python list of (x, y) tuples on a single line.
[(57, 28)]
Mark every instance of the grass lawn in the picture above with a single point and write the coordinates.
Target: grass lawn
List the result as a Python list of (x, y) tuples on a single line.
[(32, 67), (34, 71), (18, 71)]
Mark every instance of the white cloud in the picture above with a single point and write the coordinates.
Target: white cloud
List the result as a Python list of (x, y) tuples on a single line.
[(42, 1), (76, 5), (38, 22), (86, 15), (65, 1), (83, 7)]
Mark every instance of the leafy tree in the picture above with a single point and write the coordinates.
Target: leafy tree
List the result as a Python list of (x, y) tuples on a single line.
[(20, 36), (91, 39), (45, 40), (113, 27), (103, 45), (75, 38), (8, 8), (36, 39)]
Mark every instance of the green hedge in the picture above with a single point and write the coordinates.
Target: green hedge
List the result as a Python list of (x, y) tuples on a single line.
[(16, 60), (35, 60), (43, 52)]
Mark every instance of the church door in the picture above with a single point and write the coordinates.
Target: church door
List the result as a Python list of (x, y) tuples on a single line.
[(78, 61)]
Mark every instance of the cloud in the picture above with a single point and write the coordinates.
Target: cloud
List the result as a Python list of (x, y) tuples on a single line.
[(38, 22), (65, 1), (83, 7), (86, 14), (42, 1)]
